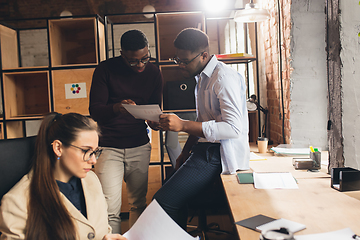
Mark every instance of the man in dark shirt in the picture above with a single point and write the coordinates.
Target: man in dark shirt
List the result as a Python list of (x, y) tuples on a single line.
[(127, 79)]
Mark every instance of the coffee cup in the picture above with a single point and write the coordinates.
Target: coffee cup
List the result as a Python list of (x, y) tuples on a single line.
[(262, 144)]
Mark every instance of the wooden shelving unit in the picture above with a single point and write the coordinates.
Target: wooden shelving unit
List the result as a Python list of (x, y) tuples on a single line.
[(76, 45)]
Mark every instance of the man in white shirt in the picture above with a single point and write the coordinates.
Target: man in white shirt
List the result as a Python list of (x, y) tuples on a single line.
[(218, 141)]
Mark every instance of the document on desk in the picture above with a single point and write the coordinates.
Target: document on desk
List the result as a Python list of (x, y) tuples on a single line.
[(147, 112), (274, 180), (155, 224), (343, 234)]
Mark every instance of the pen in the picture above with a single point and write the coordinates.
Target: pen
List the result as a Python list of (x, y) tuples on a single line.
[(355, 236), (312, 149)]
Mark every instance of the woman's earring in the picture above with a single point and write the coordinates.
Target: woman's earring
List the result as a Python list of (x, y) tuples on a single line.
[(58, 158)]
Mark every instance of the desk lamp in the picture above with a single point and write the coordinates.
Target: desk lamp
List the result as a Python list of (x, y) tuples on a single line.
[(252, 105)]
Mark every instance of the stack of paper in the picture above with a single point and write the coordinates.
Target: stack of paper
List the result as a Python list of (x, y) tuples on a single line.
[(291, 151)]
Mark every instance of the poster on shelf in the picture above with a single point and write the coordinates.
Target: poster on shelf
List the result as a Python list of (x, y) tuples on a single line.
[(75, 90)]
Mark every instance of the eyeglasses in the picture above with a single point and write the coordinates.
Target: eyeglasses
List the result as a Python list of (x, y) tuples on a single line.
[(88, 153), (144, 60), (177, 60)]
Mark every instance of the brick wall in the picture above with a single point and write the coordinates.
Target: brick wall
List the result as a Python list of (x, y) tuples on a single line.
[(274, 99)]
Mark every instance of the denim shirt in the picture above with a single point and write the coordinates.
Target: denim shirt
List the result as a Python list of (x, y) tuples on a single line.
[(220, 96)]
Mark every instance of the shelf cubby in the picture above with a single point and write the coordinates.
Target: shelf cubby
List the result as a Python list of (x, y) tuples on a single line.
[(75, 41), (169, 25), (14, 129), (9, 48), (71, 88), (177, 87), (26, 94)]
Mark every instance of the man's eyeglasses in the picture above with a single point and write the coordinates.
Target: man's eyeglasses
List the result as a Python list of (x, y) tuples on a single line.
[(88, 153), (134, 63), (177, 60)]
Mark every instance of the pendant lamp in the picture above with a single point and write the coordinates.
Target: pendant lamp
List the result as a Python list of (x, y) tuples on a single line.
[(251, 13)]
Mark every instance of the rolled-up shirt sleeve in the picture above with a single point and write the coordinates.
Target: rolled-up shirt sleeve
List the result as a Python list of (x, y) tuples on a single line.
[(228, 123)]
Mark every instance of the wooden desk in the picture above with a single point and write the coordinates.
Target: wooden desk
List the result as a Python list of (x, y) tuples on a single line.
[(315, 203)]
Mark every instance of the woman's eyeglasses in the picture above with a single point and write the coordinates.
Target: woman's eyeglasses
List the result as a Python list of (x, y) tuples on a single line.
[(88, 153)]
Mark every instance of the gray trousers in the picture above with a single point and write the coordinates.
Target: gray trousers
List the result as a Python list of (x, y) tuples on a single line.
[(132, 165)]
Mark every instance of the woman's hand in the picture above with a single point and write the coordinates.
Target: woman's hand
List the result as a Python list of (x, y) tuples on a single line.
[(114, 237)]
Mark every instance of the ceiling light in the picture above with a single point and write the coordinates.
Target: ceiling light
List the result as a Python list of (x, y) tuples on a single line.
[(65, 13), (251, 13), (148, 8)]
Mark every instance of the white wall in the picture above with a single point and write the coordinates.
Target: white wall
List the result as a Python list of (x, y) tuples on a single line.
[(308, 86), (350, 57)]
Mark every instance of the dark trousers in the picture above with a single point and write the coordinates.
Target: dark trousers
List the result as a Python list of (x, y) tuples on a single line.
[(198, 172)]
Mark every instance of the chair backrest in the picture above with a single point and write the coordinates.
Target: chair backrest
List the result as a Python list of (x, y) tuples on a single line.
[(15, 161), (172, 146)]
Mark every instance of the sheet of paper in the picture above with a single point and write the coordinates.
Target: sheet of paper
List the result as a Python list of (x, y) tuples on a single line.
[(274, 180), (343, 234), (282, 223), (146, 112), (155, 224), (255, 157)]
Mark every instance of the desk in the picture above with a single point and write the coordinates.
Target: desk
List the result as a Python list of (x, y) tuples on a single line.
[(315, 203)]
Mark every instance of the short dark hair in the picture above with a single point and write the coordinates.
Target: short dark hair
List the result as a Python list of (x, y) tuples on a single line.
[(133, 40), (191, 39)]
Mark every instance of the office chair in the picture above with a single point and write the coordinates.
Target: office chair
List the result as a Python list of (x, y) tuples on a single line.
[(15, 161), (211, 199)]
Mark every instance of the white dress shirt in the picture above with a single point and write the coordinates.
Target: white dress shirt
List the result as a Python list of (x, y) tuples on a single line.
[(220, 96)]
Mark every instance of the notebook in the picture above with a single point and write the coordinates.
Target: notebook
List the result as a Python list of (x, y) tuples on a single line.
[(255, 221), (261, 222), (245, 177)]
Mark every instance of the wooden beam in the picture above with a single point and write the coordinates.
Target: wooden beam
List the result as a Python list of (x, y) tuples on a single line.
[(333, 44)]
